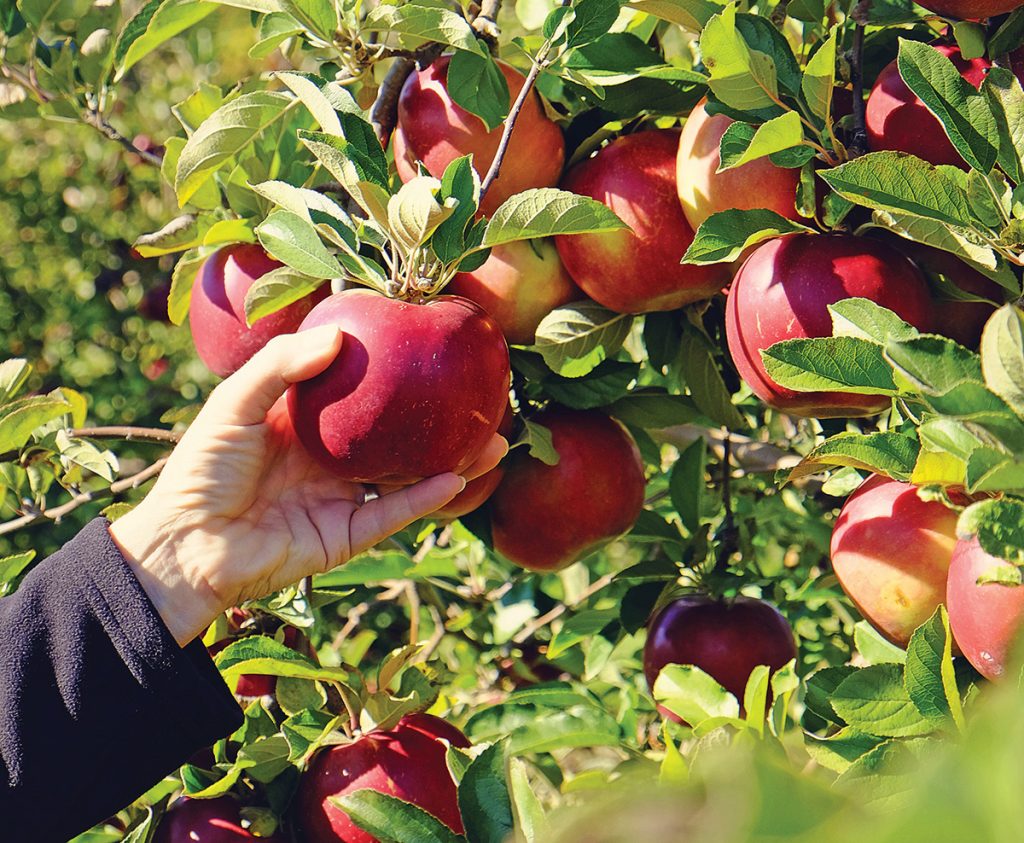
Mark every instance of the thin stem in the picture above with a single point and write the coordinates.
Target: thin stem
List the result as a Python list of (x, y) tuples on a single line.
[(485, 24), (859, 138), (531, 629)]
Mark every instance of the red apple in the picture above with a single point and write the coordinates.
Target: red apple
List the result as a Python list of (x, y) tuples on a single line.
[(545, 517), (407, 762), (985, 618), (479, 490), (970, 9), (217, 312), (519, 284), (725, 639), (205, 821), (703, 191), (637, 271), (252, 685), (783, 291), (897, 119), (434, 130), (891, 552), (416, 390)]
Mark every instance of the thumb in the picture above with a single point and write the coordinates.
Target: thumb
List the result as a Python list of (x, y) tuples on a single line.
[(246, 397)]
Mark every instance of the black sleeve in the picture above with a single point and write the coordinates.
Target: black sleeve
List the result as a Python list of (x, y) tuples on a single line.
[(97, 700)]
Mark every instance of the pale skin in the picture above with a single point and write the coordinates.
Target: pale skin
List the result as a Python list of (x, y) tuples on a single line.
[(241, 511)]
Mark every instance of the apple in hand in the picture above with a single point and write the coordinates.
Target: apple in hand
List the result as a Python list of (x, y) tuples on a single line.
[(891, 552), (545, 517), (898, 120), (637, 270), (782, 292), (222, 338), (206, 821), (970, 9), (407, 762), (433, 130), (704, 191), (725, 639), (985, 618), (416, 390), (518, 285)]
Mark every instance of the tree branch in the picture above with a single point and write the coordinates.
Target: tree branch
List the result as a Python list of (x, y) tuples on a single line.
[(97, 121), (859, 137), (485, 24), (531, 629), (384, 114)]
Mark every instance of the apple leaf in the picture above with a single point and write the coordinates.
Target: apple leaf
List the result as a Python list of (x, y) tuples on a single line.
[(687, 484), (840, 364), (415, 25), (20, 417), (262, 655), (547, 211), (743, 78), (295, 242), (579, 628), (225, 133), (891, 454), (689, 14), (702, 376), (275, 290), (874, 701), (182, 278), (607, 383), (531, 818), (998, 524), (929, 676), (651, 409), (858, 317), (575, 338), (311, 205), (460, 182), (307, 87), (1002, 90), (839, 751), (13, 566), (873, 648), (743, 143), (932, 364), (14, 372), (583, 725), (724, 236), (152, 26), (538, 442), (1002, 356), (688, 692), (819, 80), (484, 800), (320, 17), (819, 688), (992, 470), (962, 110)]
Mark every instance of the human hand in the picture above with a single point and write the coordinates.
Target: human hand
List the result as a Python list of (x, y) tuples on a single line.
[(240, 509)]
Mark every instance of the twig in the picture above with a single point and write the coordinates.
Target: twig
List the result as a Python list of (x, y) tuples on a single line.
[(728, 535), (436, 637), (779, 14), (859, 137), (27, 81), (82, 498), (485, 24), (355, 614), (128, 434), (531, 629), (97, 121), (384, 114), (510, 122)]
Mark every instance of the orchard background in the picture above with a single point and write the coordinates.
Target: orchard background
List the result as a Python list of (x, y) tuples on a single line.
[(137, 140)]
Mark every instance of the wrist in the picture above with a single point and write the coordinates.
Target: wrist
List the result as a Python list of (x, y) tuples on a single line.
[(157, 551)]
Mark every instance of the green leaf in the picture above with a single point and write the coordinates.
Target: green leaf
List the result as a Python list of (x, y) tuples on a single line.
[(874, 648), (743, 78), (901, 183), (930, 677), (461, 183), (416, 25), (262, 655), (1002, 90), (652, 409), (579, 628), (182, 278), (962, 110), (14, 372), (306, 730), (225, 133), (724, 236), (864, 319), (607, 383), (589, 20), (531, 818), (295, 242), (153, 25), (819, 689), (691, 694), (874, 701), (276, 290), (933, 364), (839, 751), (476, 83), (321, 17), (539, 442), (891, 454), (687, 484), (546, 211), (484, 800), (307, 88), (358, 173), (392, 820), (842, 364), (1002, 356), (20, 417), (703, 378), (13, 566), (999, 526), (743, 143), (414, 212), (690, 14), (819, 80), (575, 338)]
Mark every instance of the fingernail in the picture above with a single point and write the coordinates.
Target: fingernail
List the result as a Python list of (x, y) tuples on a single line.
[(322, 334)]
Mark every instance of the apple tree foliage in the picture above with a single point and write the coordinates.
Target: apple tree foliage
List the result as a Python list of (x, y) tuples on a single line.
[(266, 115)]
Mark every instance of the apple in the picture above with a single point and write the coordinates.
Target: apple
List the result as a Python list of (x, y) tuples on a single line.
[(638, 270), (783, 291), (519, 284), (725, 639), (207, 821), (407, 762), (897, 119), (252, 685), (479, 490), (704, 191), (217, 311), (153, 305), (891, 553), (433, 130), (985, 618), (545, 517), (970, 9), (416, 390)]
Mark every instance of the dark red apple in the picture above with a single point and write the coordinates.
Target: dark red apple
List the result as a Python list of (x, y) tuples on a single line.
[(519, 284), (704, 191), (545, 517), (637, 271), (970, 9), (479, 490), (416, 390), (897, 119), (783, 291), (725, 639), (154, 302), (407, 762), (205, 821), (217, 311), (891, 553), (434, 130), (251, 685), (985, 619)]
